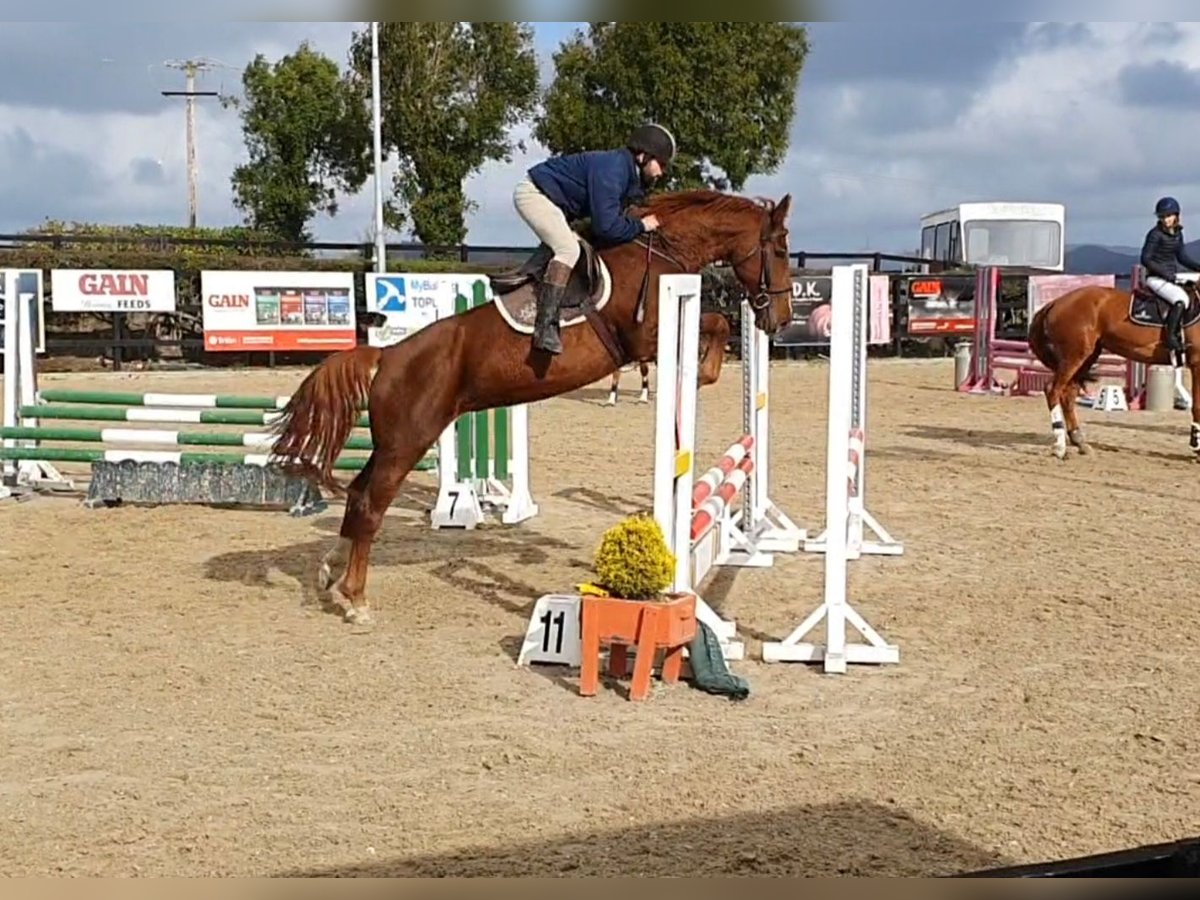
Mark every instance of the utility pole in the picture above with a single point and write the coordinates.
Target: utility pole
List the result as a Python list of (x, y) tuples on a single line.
[(380, 244), (190, 67)]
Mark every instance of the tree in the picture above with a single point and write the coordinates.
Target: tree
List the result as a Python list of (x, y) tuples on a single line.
[(308, 136), (450, 93), (726, 90)]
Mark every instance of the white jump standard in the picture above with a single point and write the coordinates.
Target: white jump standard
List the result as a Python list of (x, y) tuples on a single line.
[(856, 488), (849, 307)]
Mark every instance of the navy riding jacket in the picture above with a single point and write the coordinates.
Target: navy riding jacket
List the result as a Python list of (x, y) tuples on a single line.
[(596, 184), (1163, 252)]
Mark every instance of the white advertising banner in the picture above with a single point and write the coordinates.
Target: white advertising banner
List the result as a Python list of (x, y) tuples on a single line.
[(112, 290)]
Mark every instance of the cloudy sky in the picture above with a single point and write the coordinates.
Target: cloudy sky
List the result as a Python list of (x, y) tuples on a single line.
[(894, 119)]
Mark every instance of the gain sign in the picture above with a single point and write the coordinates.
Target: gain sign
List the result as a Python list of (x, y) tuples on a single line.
[(112, 290)]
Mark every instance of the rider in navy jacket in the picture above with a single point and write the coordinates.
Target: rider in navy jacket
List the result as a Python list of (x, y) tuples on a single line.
[(596, 184)]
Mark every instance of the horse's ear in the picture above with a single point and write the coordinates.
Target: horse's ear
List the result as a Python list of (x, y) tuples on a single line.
[(780, 214)]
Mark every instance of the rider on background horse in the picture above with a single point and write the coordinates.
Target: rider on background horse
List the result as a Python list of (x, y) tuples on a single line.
[(1162, 253), (596, 184)]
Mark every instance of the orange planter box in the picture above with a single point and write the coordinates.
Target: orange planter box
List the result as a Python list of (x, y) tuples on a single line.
[(648, 625)]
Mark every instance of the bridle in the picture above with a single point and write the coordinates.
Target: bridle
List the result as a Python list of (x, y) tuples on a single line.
[(762, 298)]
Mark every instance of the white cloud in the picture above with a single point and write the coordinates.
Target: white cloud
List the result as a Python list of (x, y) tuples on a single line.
[(1051, 124)]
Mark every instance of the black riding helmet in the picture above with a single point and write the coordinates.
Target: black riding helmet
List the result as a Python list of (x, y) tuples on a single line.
[(1167, 206), (653, 140)]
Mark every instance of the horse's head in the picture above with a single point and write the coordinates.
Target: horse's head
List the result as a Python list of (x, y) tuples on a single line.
[(705, 226), (763, 265)]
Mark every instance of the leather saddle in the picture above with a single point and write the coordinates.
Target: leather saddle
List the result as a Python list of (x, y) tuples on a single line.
[(587, 290), (1149, 309)]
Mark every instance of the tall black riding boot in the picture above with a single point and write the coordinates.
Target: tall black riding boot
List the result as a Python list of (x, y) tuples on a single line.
[(1174, 333), (545, 327)]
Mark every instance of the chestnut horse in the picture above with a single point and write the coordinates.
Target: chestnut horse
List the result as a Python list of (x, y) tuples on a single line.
[(1070, 332), (479, 360)]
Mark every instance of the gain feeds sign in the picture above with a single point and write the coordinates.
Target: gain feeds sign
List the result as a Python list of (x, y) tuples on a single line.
[(112, 290), (309, 311)]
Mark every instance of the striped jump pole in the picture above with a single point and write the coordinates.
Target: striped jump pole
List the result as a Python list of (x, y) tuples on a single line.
[(150, 398), (712, 479), (260, 440), (712, 508), (847, 378), (78, 454), (164, 414)]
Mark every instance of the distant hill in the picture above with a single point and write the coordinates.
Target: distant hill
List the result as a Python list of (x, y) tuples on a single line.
[(1095, 259)]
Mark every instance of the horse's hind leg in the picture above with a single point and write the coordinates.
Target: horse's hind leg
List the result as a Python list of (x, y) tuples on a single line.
[(364, 516), (1071, 411), (1071, 416), (333, 561)]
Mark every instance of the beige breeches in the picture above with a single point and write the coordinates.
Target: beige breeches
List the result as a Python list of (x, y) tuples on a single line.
[(547, 222)]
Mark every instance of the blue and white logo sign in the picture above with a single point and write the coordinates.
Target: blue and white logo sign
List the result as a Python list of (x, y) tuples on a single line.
[(408, 302), (390, 294)]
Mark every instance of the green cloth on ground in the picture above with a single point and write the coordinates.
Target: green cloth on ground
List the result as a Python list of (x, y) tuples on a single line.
[(709, 671)]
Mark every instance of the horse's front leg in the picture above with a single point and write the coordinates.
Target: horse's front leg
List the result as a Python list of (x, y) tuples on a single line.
[(1194, 440)]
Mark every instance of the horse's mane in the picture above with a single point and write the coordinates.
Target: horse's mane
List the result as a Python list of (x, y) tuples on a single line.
[(669, 204)]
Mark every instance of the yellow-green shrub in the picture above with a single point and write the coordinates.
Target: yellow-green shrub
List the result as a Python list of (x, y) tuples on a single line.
[(633, 561)]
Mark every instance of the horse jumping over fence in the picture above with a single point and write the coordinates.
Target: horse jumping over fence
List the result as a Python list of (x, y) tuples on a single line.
[(482, 358), (1070, 332)]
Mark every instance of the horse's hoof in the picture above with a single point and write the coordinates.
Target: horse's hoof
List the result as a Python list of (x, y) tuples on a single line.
[(1059, 452), (358, 616), (324, 577)]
